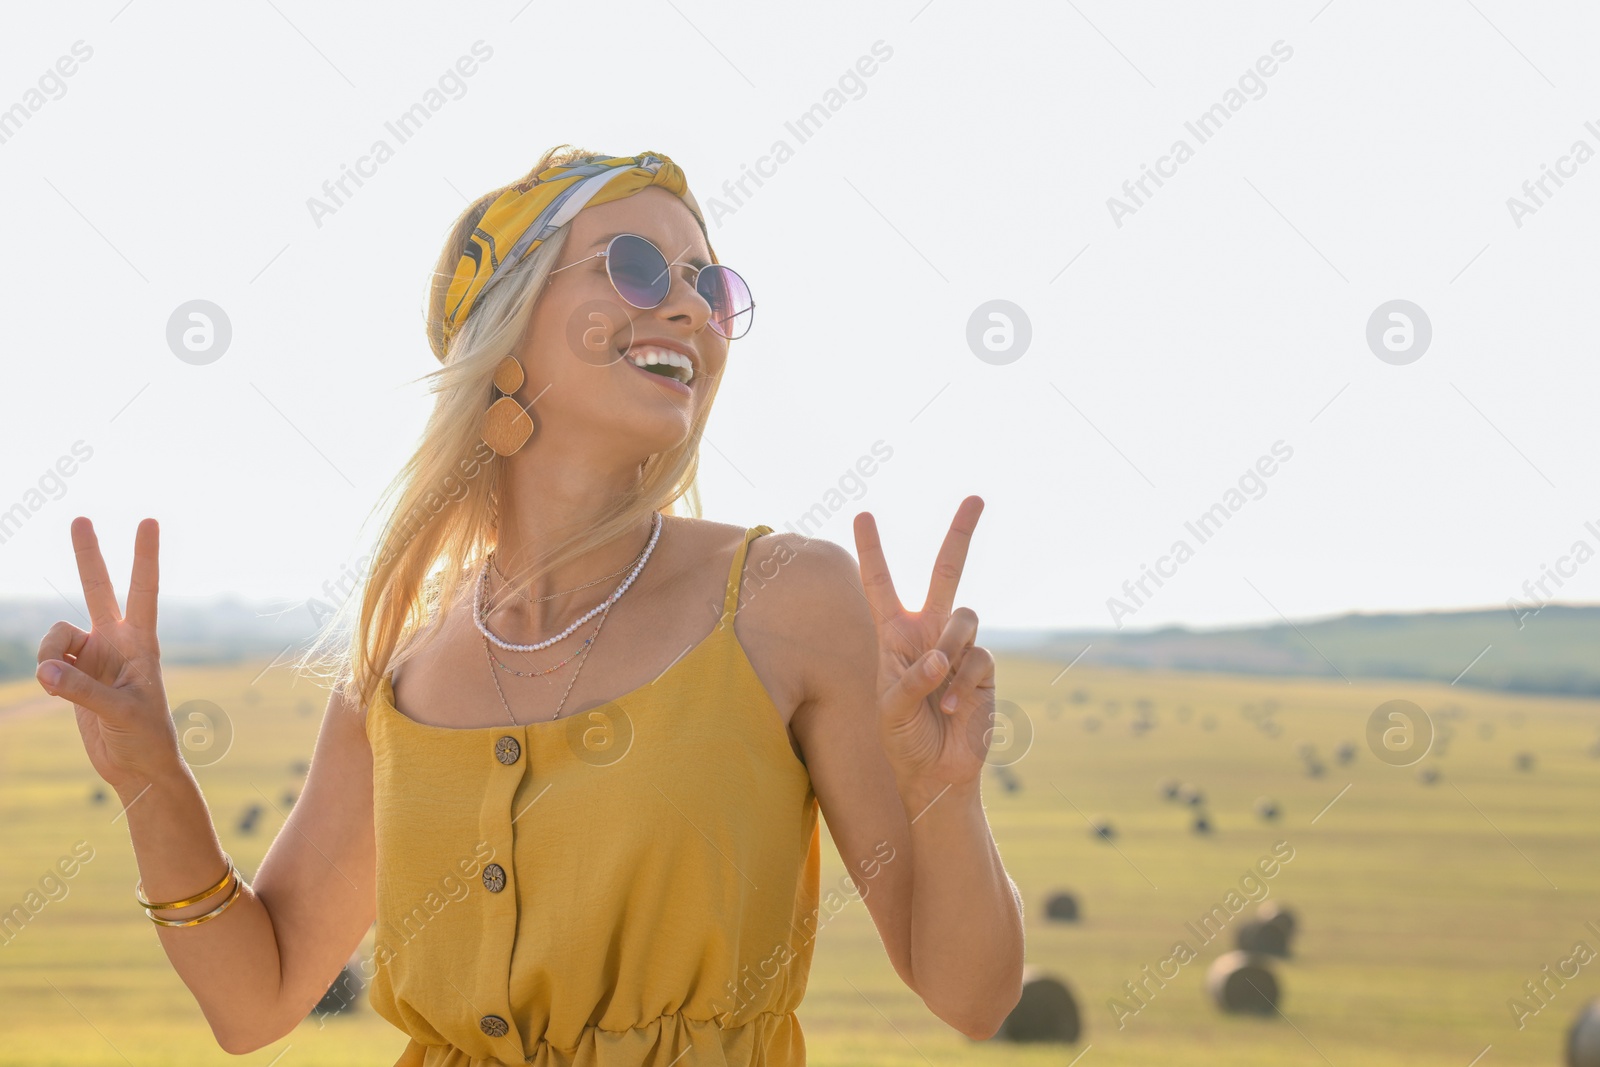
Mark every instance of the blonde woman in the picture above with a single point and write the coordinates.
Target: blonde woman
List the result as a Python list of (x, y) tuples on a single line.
[(569, 862)]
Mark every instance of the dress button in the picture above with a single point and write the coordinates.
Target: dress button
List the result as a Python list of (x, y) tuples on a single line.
[(494, 878), (493, 1025), (506, 750)]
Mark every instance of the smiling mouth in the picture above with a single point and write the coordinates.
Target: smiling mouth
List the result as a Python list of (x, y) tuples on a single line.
[(664, 362)]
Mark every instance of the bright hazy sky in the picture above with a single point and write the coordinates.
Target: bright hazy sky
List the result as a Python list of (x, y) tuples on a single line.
[(1174, 341)]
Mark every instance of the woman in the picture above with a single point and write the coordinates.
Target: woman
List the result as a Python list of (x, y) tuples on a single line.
[(612, 865)]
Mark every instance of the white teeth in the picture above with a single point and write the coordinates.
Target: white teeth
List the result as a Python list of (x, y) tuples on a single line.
[(651, 355)]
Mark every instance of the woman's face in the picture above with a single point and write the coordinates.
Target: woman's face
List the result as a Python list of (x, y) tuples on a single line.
[(581, 333)]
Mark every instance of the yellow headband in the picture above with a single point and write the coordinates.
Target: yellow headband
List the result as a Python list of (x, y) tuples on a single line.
[(520, 220)]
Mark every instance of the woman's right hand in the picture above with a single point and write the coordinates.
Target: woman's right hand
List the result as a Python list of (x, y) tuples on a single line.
[(112, 673)]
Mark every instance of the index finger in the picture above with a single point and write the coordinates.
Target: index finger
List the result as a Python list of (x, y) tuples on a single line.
[(875, 578), (98, 595), (952, 558)]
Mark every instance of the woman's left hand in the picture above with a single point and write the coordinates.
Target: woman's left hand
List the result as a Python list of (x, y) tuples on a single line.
[(930, 747)]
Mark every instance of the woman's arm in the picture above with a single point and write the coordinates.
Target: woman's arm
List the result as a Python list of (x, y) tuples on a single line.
[(258, 969), (919, 849), (258, 966)]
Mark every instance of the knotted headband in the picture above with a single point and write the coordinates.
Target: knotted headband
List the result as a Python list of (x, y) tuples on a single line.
[(520, 220)]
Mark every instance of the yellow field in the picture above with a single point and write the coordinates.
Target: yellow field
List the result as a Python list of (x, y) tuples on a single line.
[(1422, 908)]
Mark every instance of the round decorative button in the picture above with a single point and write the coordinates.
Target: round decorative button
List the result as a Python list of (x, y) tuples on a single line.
[(494, 878), (506, 750), (493, 1025)]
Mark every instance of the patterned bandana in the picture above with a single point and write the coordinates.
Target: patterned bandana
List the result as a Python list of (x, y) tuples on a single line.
[(519, 221)]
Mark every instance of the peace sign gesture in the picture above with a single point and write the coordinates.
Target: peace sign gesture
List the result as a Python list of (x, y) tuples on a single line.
[(925, 741), (112, 672)]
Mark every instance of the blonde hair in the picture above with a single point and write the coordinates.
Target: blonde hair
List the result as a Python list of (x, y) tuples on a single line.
[(449, 493)]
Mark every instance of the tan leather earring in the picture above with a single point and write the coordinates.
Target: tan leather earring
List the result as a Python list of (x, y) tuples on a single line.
[(506, 425)]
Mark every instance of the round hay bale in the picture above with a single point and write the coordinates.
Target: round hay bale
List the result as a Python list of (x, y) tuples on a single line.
[(305, 707), (1305, 750), (1191, 795), (1345, 753), (1240, 982), (1315, 769), (1103, 829), (1053, 708), (1428, 775), (1090, 723), (1525, 761), (1080, 696), (1279, 915), (1170, 788), (1208, 722), (1061, 907), (1583, 1040), (1266, 808), (247, 821), (289, 798), (1262, 938), (98, 796), (1143, 705), (1271, 729), (343, 995), (299, 768), (1201, 825), (1046, 1011)]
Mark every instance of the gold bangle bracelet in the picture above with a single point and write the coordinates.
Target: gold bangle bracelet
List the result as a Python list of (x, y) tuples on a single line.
[(238, 885), (138, 890)]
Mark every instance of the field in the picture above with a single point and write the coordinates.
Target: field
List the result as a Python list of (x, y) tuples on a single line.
[(1423, 908)]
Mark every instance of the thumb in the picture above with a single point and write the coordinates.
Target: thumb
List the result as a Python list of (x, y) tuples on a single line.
[(920, 679), (62, 679)]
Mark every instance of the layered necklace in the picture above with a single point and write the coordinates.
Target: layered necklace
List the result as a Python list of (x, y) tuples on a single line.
[(480, 615)]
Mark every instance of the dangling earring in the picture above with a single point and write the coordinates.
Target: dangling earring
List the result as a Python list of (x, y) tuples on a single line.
[(506, 425)]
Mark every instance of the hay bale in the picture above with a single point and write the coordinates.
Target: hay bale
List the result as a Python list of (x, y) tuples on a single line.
[(1583, 1040), (1143, 705), (1061, 907), (299, 768), (1345, 753), (1090, 723), (1170, 788), (1278, 915), (1266, 809), (98, 796), (247, 821), (1208, 722), (1053, 708), (304, 708), (1080, 696), (1305, 750), (289, 798), (1240, 982), (1525, 761), (1271, 729), (343, 995), (1046, 1011), (1101, 827), (1262, 938), (1191, 795), (1201, 825), (1428, 775), (1315, 769)]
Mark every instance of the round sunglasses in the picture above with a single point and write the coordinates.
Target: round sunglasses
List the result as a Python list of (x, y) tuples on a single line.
[(642, 276)]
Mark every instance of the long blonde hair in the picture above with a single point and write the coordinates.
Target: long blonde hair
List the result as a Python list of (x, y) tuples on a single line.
[(448, 494)]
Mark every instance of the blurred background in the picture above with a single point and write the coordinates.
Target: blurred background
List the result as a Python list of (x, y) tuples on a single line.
[(1262, 329)]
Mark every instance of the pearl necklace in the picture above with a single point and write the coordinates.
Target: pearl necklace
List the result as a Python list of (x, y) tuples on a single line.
[(480, 613)]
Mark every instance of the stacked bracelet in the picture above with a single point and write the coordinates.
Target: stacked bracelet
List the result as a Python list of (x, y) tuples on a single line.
[(151, 908)]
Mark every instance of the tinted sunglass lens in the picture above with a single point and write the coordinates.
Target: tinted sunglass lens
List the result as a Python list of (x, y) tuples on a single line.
[(638, 270), (732, 309)]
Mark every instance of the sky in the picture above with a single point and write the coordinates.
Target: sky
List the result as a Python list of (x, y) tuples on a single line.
[(1320, 271)]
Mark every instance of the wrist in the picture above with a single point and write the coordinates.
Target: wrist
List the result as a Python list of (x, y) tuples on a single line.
[(921, 796)]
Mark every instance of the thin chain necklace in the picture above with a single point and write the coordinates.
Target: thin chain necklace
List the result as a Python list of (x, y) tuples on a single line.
[(496, 677), (480, 610), (503, 665)]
